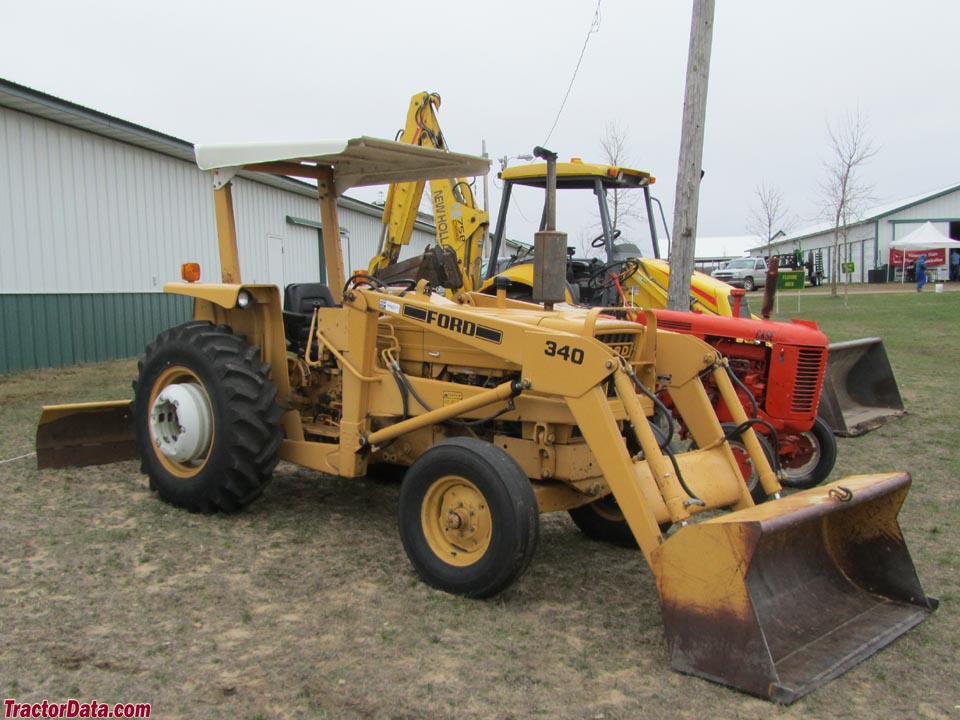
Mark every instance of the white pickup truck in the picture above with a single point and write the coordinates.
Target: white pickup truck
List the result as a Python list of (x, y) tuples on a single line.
[(747, 272)]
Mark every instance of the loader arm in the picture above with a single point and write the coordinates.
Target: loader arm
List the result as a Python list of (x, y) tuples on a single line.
[(460, 224)]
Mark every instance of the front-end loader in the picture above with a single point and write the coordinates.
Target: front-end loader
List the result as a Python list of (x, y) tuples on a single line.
[(501, 410)]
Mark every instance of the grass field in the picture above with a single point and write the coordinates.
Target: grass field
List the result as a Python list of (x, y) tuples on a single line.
[(304, 605)]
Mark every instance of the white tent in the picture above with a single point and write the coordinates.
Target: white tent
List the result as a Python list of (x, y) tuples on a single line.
[(924, 240)]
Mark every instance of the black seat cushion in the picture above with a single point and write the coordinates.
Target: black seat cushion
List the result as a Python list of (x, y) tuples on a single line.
[(304, 297), (299, 302)]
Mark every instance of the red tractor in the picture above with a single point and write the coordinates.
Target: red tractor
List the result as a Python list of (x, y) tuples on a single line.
[(778, 370)]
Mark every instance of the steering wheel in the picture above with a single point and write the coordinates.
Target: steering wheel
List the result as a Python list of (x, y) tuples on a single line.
[(600, 240), (358, 280), (606, 276)]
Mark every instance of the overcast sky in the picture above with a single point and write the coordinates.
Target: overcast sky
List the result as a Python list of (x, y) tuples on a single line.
[(289, 69)]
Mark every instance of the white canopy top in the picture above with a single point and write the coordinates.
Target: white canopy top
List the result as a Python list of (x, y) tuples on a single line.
[(356, 162), (926, 237)]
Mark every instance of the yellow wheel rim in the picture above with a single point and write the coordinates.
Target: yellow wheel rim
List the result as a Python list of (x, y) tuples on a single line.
[(456, 521), (173, 375)]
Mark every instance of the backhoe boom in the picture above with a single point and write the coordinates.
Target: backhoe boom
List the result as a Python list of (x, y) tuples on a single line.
[(460, 224)]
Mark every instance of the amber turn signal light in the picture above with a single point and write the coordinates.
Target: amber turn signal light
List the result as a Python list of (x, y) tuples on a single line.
[(190, 272)]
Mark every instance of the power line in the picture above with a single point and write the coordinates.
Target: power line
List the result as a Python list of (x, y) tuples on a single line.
[(594, 27)]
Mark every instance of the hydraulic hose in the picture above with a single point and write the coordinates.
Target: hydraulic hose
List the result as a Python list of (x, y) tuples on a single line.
[(739, 430), (660, 407), (754, 420), (657, 403), (407, 387)]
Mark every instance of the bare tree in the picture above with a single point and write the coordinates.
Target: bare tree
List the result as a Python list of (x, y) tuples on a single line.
[(768, 215), (624, 206), (584, 236), (843, 190)]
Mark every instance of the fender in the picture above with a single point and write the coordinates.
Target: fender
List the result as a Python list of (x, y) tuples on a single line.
[(261, 321)]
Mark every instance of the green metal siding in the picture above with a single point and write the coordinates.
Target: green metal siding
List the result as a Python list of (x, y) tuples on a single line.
[(54, 330)]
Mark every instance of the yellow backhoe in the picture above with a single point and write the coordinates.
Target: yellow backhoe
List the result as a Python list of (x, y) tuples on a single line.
[(501, 410), (455, 261)]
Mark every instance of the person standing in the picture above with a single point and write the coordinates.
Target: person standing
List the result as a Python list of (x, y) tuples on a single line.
[(955, 264), (921, 268)]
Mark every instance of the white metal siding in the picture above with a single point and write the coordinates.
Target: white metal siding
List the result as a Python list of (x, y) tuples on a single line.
[(80, 213), (87, 214), (944, 207), (260, 211), (301, 254)]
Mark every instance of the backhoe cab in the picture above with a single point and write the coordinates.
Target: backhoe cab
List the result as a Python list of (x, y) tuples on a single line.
[(622, 275), (502, 410)]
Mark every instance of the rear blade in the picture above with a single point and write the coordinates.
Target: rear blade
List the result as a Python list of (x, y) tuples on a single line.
[(859, 391), (85, 434), (778, 599)]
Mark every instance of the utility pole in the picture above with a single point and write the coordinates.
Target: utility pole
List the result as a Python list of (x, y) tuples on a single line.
[(691, 156)]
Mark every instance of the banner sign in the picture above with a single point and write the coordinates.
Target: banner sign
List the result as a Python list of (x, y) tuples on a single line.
[(936, 256)]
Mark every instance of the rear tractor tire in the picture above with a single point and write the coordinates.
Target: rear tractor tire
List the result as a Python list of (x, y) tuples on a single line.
[(468, 517), (206, 418)]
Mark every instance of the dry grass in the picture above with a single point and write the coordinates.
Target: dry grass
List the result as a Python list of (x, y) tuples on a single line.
[(304, 606)]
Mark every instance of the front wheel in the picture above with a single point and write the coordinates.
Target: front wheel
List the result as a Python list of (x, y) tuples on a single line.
[(206, 418), (813, 459), (468, 517), (748, 284)]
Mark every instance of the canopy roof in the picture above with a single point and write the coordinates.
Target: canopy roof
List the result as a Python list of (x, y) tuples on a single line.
[(356, 162), (926, 237), (577, 174)]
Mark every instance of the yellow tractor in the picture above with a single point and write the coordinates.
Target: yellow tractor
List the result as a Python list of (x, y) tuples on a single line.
[(501, 410)]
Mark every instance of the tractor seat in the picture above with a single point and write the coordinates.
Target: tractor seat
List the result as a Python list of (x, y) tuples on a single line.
[(625, 251), (299, 302)]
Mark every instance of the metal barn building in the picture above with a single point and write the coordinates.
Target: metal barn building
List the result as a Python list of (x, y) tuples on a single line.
[(869, 238), (96, 214)]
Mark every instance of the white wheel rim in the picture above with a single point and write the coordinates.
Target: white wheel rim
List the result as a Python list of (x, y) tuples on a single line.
[(181, 422), (805, 469)]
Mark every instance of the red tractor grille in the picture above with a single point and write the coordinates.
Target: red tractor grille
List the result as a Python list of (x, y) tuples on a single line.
[(810, 364)]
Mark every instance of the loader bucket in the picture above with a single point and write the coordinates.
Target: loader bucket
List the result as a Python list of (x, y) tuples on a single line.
[(85, 434), (859, 391), (780, 598)]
